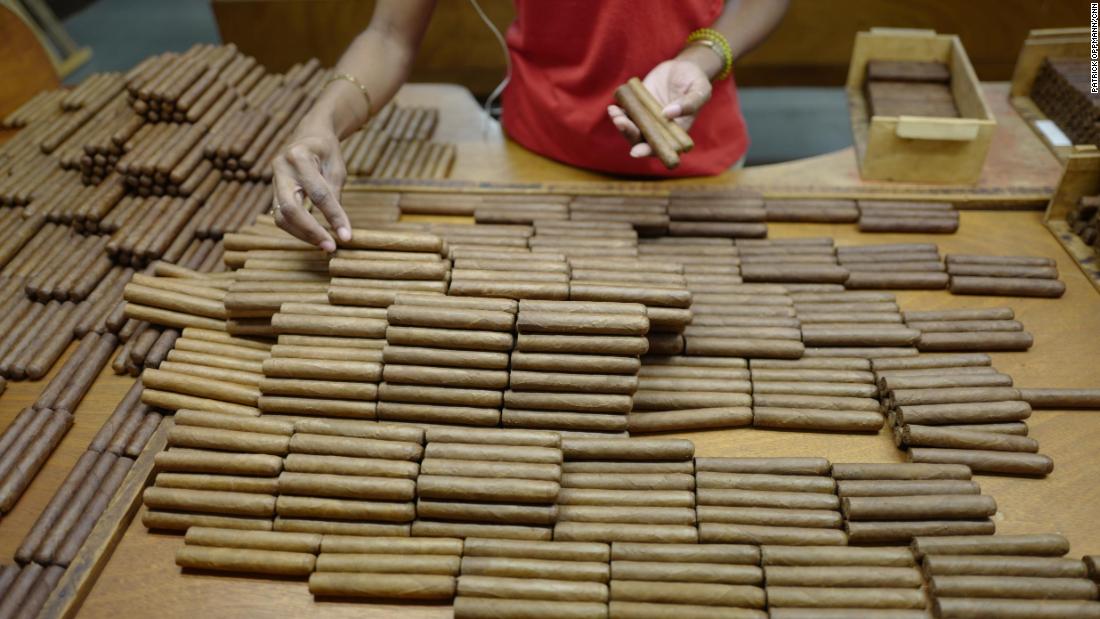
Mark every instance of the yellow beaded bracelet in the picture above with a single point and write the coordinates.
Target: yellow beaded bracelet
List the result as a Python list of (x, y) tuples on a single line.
[(717, 42), (347, 77)]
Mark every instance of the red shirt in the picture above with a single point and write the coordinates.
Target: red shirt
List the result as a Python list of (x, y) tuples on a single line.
[(569, 56)]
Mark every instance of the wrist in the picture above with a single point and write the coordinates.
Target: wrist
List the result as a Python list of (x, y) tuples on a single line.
[(708, 61)]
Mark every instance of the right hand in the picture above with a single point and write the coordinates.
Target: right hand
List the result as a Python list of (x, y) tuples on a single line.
[(311, 166)]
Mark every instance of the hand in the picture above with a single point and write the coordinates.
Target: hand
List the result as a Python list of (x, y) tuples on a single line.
[(681, 86), (310, 166)]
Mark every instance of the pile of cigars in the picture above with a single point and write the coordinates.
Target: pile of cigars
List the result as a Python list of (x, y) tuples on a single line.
[(1062, 91), (909, 88), (515, 523)]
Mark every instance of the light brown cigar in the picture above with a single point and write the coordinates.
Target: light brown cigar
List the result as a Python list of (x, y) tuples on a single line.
[(810, 518), (625, 532), (875, 576), (832, 403), (1061, 398), (963, 608), (422, 394), (322, 369), (299, 341), (840, 318), (343, 509), (925, 507), (472, 468), (930, 436), (846, 597), (345, 486), (967, 326), (905, 487), (578, 402), (328, 353), (221, 439), (544, 515), (1015, 428), (772, 466), (359, 429), (744, 347), (758, 498), (521, 604), (647, 371), (627, 496), (1039, 545), (1007, 286), (559, 551), (179, 521), (486, 489), (66, 496), (903, 532), (445, 377), (169, 318), (517, 567), (579, 383), (210, 501), (508, 289), (329, 325), (389, 269), (704, 594), (428, 316), (196, 461), (695, 361), (393, 241), (979, 565), (652, 128), (730, 533), (348, 465), (793, 272), (1008, 260), (875, 471), (529, 589), (175, 301), (342, 527), (563, 421), (256, 540), (863, 335), (762, 481), (689, 419), (388, 563), (910, 397), (352, 446), (529, 321), (811, 388), (679, 571), (354, 409), (1091, 563), (1022, 587), (993, 313), (861, 307), (987, 461), (503, 437), (612, 449), (663, 297), (407, 355), (215, 360), (636, 515), (973, 412), (969, 371), (896, 280), (835, 556), (944, 379), (382, 586), (332, 310), (347, 390), (674, 133), (473, 303), (433, 528), (200, 387), (231, 483), (438, 413), (334, 544), (448, 338)]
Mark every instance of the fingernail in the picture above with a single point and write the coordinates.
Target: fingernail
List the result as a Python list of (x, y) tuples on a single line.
[(343, 233), (673, 110), (328, 245), (636, 152)]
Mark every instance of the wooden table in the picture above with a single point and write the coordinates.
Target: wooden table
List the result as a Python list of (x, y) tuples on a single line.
[(141, 578)]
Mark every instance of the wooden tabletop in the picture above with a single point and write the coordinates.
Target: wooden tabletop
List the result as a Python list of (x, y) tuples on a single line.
[(142, 579)]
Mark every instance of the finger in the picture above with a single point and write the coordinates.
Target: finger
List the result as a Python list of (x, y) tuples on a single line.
[(320, 193), (623, 123), (690, 103), (291, 215), (335, 174)]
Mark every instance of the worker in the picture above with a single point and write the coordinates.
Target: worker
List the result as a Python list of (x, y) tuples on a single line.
[(567, 58)]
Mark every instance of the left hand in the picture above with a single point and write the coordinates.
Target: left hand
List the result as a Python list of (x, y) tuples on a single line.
[(681, 86)]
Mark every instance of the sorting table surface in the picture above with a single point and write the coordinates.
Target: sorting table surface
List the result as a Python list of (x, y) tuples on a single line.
[(142, 578)]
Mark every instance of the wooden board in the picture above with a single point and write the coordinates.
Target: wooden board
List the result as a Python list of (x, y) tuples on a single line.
[(1019, 173)]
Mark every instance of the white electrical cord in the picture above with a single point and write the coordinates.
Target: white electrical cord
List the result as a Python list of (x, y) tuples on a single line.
[(507, 66)]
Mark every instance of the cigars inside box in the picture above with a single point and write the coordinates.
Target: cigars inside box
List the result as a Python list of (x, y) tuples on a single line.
[(916, 107)]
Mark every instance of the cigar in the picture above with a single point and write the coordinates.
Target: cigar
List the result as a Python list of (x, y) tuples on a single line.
[(355, 409), (987, 461), (863, 335), (218, 463), (231, 483), (1061, 398), (809, 518), (347, 465), (474, 359), (701, 594), (29, 452), (505, 437), (343, 486), (352, 446), (210, 501), (896, 280), (904, 471), (1007, 286), (248, 560), (767, 499), (321, 389), (835, 556), (62, 499), (903, 532), (343, 509), (972, 413), (428, 316), (432, 528), (388, 563), (486, 489), (1000, 260), (846, 597), (876, 576), (931, 436), (924, 507), (222, 439), (446, 377), (731, 533), (436, 413), (635, 515), (333, 544), (1014, 608), (653, 129), (664, 571), (645, 610), (341, 527), (199, 387), (382, 586), (650, 370), (812, 388), (912, 397), (978, 565), (1012, 587), (91, 513), (360, 429), (944, 379), (991, 341), (322, 369), (499, 593), (689, 419), (522, 549), (762, 481), (502, 513)]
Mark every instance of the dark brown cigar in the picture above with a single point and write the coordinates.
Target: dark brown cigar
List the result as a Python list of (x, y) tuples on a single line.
[(1061, 398)]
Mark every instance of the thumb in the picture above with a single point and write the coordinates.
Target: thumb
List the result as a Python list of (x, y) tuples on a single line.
[(690, 102)]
